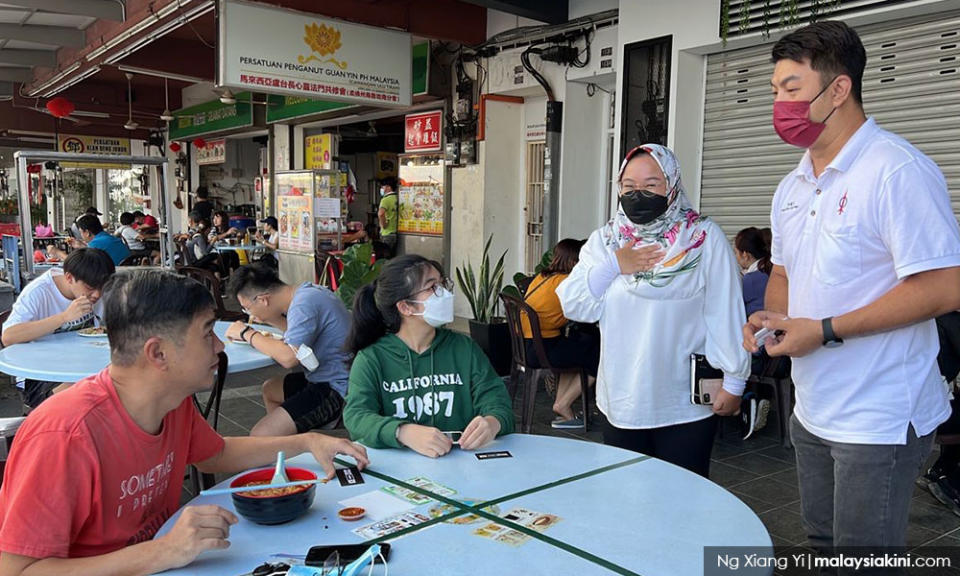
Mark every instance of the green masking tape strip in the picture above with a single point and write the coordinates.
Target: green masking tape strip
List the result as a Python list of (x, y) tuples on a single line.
[(563, 481), (411, 487), (415, 527), (557, 543), (478, 511)]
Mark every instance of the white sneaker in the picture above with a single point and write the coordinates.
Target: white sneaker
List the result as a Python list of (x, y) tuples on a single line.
[(748, 414)]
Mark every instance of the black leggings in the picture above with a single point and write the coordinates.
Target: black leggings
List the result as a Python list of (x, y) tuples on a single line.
[(686, 445)]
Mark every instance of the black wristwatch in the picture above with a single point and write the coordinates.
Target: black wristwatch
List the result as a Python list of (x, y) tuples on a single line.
[(830, 339)]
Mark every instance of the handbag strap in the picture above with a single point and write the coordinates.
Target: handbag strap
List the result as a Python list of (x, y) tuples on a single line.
[(535, 288)]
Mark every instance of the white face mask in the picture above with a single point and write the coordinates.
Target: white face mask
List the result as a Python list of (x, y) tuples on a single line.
[(437, 310), (383, 190)]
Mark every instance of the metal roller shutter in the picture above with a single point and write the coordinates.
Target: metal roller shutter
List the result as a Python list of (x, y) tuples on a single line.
[(911, 86)]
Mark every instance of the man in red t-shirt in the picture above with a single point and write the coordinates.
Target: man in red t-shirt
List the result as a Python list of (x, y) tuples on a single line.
[(95, 471)]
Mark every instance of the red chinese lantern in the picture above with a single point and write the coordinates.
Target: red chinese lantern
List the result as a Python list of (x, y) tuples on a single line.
[(175, 147), (199, 142), (60, 107)]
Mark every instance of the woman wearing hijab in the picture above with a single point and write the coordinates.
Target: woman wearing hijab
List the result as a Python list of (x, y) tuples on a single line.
[(663, 283)]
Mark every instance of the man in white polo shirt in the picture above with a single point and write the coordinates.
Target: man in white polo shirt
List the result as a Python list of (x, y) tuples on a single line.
[(866, 252)]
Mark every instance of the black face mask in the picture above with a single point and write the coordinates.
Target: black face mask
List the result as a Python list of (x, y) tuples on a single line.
[(641, 209)]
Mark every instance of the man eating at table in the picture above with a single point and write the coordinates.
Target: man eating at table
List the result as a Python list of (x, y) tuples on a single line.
[(97, 470), (315, 324), (58, 301)]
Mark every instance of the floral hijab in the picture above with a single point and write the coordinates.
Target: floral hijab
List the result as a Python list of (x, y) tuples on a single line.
[(680, 231)]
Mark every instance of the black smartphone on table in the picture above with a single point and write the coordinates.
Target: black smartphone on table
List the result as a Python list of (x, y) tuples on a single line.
[(348, 553)]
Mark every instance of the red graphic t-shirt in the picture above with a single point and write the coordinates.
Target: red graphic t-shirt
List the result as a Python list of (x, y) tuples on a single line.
[(83, 479)]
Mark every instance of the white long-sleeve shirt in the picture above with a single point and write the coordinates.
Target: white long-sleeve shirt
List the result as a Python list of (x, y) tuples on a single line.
[(648, 333)]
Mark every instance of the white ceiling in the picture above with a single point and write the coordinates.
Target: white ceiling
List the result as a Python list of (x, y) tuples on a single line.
[(32, 30)]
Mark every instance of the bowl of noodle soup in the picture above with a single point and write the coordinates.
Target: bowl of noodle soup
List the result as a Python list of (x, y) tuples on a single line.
[(273, 505)]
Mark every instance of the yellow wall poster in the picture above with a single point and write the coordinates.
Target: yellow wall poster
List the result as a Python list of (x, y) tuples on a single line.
[(319, 152)]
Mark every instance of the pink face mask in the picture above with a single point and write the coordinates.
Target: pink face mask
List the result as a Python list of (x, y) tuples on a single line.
[(792, 121)]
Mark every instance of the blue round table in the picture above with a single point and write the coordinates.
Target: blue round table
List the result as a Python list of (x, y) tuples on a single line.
[(68, 357), (220, 247), (619, 513)]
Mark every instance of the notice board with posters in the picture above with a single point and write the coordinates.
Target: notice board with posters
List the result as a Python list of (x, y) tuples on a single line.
[(421, 194), (295, 211)]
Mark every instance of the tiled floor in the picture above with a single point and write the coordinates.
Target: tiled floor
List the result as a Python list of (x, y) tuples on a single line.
[(758, 470)]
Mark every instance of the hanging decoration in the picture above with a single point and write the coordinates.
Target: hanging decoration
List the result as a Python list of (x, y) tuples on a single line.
[(199, 143), (789, 15), (744, 16), (724, 20), (175, 147), (766, 19), (60, 107)]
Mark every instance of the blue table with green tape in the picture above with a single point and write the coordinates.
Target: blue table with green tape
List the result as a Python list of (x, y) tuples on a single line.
[(617, 512)]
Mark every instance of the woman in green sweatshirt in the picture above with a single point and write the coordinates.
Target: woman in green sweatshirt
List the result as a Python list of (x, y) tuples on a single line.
[(411, 380)]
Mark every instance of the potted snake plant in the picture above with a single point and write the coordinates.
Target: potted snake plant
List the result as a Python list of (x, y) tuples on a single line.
[(482, 290)]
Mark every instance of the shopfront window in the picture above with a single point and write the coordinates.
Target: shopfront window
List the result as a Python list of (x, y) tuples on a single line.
[(646, 104), (125, 190), (77, 193)]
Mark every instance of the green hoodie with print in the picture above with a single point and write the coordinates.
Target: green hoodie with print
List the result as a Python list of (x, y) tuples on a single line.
[(446, 387)]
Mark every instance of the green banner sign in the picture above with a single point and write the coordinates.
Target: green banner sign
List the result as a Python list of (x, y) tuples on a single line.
[(421, 68), (288, 107), (212, 116)]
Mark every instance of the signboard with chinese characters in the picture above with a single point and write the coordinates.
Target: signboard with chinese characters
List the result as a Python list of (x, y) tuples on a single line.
[(212, 116), (424, 132), (215, 152), (280, 51), (319, 151), (281, 107), (536, 131), (104, 145)]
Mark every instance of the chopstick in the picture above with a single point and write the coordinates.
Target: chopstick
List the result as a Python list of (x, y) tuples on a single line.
[(217, 491)]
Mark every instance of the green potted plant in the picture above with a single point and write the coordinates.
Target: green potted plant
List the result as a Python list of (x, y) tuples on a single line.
[(482, 291), (357, 271)]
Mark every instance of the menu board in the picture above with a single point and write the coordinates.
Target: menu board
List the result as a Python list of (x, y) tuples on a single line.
[(421, 208), (295, 212)]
